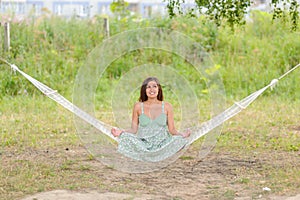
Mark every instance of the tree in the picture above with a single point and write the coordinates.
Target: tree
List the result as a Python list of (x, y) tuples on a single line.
[(119, 7), (233, 12), (284, 8)]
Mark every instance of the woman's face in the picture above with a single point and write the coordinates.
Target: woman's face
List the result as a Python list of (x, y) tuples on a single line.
[(152, 89)]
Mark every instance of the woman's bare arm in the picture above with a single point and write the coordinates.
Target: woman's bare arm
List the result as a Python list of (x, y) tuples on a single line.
[(135, 119), (170, 121), (134, 122)]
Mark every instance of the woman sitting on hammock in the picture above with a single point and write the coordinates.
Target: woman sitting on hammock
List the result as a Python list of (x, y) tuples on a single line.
[(152, 136)]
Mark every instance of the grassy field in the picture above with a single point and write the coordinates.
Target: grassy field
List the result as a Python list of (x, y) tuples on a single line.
[(40, 149)]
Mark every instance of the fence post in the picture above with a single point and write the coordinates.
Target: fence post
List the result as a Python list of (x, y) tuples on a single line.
[(106, 27), (6, 36)]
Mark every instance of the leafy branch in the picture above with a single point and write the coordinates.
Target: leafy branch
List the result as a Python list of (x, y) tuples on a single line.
[(233, 12)]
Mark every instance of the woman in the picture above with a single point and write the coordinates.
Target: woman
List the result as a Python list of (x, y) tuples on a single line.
[(152, 136)]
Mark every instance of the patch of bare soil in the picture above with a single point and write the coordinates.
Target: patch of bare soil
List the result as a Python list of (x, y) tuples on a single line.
[(93, 195), (87, 195), (219, 176)]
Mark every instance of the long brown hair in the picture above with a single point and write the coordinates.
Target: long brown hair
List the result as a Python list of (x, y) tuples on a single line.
[(143, 94)]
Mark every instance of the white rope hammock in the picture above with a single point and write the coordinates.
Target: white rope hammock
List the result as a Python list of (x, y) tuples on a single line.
[(199, 132)]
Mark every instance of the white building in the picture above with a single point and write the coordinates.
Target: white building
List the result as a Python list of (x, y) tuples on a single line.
[(89, 8), (81, 8)]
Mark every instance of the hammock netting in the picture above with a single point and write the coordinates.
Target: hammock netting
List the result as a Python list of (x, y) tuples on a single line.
[(160, 40), (96, 135)]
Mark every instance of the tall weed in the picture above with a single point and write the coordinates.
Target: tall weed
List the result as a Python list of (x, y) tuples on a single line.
[(52, 49)]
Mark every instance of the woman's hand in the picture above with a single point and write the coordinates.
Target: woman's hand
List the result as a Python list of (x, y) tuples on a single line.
[(187, 133), (116, 132)]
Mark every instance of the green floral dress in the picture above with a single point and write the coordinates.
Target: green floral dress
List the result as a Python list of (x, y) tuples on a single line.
[(153, 142)]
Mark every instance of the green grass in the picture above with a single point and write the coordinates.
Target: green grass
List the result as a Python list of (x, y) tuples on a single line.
[(38, 139), (273, 126), (24, 118), (250, 57), (38, 136)]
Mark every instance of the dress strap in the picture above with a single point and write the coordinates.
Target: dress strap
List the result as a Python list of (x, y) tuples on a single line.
[(162, 107), (142, 106)]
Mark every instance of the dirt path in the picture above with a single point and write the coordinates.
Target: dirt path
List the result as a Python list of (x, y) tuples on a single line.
[(219, 176), (93, 195), (86, 195)]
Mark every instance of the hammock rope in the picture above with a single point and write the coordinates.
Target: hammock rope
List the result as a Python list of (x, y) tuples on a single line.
[(197, 131), (289, 71), (54, 95)]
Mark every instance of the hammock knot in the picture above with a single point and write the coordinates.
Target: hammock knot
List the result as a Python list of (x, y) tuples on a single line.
[(273, 83), (14, 68), (49, 93), (239, 105)]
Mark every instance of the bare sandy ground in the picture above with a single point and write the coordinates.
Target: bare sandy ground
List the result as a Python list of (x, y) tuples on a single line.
[(87, 195), (183, 180), (94, 195), (220, 176)]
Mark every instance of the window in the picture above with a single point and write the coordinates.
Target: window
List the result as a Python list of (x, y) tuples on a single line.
[(13, 7), (83, 10), (58, 9), (104, 8), (147, 11), (69, 9), (35, 7)]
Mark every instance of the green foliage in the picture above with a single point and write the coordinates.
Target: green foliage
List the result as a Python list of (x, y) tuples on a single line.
[(233, 12), (287, 11), (174, 7), (257, 54), (51, 50), (120, 8)]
